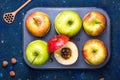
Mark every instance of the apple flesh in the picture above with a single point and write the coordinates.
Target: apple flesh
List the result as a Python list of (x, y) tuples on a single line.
[(94, 23), (57, 42), (94, 52), (38, 24), (68, 23), (37, 52), (68, 54)]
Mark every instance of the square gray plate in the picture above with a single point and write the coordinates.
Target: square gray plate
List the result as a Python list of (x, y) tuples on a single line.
[(79, 39)]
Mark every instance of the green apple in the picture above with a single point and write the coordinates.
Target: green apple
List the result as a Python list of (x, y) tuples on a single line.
[(68, 23), (68, 54), (94, 23), (37, 52), (94, 52)]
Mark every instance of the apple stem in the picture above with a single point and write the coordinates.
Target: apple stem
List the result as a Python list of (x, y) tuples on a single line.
[(70, 22), (36, 21), (34, 58), (94, 51), (98, 22)]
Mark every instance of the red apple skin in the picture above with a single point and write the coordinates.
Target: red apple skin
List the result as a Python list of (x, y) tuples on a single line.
[(94, 23), (91, 57), (38, 24), (57, 42)]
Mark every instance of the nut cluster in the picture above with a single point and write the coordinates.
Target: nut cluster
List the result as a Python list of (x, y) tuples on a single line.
[(5, 64)]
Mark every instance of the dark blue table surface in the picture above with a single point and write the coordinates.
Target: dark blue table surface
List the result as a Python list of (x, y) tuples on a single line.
[(11, 42)]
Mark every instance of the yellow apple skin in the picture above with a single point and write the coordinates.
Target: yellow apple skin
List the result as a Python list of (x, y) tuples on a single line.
[(38, 24), (94, 52), (94, 23)]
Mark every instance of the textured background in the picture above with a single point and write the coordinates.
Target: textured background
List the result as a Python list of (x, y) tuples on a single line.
[(11, 42)]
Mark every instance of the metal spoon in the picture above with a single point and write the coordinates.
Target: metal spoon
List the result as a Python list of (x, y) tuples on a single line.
[(10, 16)]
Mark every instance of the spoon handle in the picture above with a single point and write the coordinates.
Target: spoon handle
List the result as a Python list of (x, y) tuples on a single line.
[(22, 6)]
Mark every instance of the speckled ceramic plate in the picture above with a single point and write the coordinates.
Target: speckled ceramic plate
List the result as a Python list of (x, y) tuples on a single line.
[(79, 39)]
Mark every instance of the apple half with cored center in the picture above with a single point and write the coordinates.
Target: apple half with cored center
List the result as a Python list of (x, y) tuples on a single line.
[(94, 23), (68, 54), (65, 51), (94, 52)]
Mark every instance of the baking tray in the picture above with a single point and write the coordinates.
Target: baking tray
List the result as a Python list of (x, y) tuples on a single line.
[(79, 39)]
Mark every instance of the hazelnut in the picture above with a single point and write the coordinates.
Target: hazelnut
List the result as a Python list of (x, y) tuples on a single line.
[(101, 79), (13, 60), (12, 73), (5, 63)]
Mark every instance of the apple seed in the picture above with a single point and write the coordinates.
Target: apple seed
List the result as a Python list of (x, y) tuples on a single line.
[(66, 53)]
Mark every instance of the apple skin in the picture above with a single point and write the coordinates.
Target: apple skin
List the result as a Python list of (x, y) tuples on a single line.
[(94, 52), (38, 47), (57, 42), (38, 24), (68, 23), (94, 23), (74, 54)]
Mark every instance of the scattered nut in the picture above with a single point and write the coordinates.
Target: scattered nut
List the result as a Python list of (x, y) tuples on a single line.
[(13, 60), (57, 79), (12, 73), (5, 63), (102, 79)]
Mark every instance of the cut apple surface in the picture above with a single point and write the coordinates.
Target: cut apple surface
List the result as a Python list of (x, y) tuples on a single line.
[(68, 54), (94, 52), (57, 42), (37, 52)]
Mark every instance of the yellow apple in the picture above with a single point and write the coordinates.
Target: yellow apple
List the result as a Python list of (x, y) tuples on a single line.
[(94, 23), (94, 52), (38, 24)]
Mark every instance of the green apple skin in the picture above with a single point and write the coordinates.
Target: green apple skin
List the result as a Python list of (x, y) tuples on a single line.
[(38, 47), (68, 23), (94, 23), (94, 52)]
